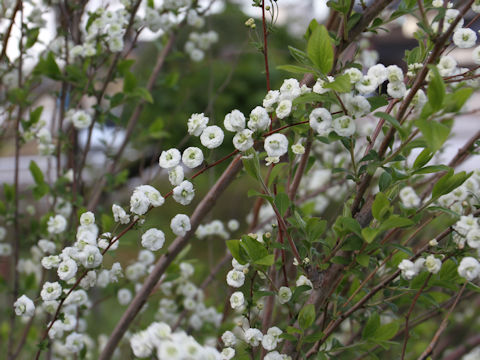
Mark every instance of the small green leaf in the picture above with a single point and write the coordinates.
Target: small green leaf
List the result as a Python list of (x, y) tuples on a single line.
[(320, 49), (255, 249), (37, 174), (369, 234), (392, 121), (386, 332), (235, 250), (341, 84), (423, 158), (431, 169), (282, 202), (306, 316), (363, 259), (448, 183), (380, 206), (435, 133), (395, 221), (371, 326), (436, 90), (295, 69), (267, 260)]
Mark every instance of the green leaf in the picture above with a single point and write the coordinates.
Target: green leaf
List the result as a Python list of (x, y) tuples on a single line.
[(435, 133), (436, 90), (369, 234), (320, 49), (363, 259), (267, 260), (315, 228), (37, 174), (32, 36), (295, 69), (235, 250), (129, 82), (392, 121), (48, 67), (380, 206), (275, 173), (254, 249), (423, 158), (306, 316), (395, 221), (371, 326), (448, 183), (252, 164), (282, 202), (384, 181), (431, 169), (341, 84), (377, 102), (316, 336), (299, 55), (386, 332), (144, 94), (454, 102)]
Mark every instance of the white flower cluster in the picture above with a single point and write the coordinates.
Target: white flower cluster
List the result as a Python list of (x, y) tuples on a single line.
[(409, 197), (411, 269), (142, 198), (463, 198), (198, 43), (213, 228), (159, 339), (80, 119), (5, 248)]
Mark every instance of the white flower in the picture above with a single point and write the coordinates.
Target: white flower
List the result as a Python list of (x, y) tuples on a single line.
[(235, 278), (243, 140), (228, 353), (303, 280), (90, 257), (229, 338), (153, 239), (237, 300), (275, 355), (192, 157), (320, 121), (89, 280), (473, 238), (233, 225), (283, 109), (357, 106), (139, 203), (259, 119), (319, 85), (87, 218), (176, 175), (378, 72), (120, 215), (24, 306), (141, 344), (67, 269), (51, 261), (276, 145), (290, 89), (298, 149), (269, 342), (409, 198), (394, 73), (344, 126), (354, 74), (464, 38), (169, 158), (432, 264), (253, 337), (81, 119), (284, 294), (5, 249), (408, 269), (447, 65), (212, 137), (469, 268), (465, 224), (56, 224), (396, 90), (47, 246), (270, 99), (51, 291), (152, 194), (184, 192), (234, 121), (196, 124), (367, 85), (124, 296), (74, 342), (180, 224)]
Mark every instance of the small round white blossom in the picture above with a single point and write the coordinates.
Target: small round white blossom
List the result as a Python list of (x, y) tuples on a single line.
[(276, 145), (409, 198), (259, 119), (227, 353), (270, 100), (196, 124), (176, 175), (67, 269), (290, 89), (192, 157), (235, 278), (212, 137), (473, 238), (469, 268), (24, 306), (407, 268), (344, 126), (233, 225), (432, 264), (229, 338), (87, 218), (51, 291), (234, 121), (184, 193), (396, 90), (124, 296), (320, 121), (284, 295), (139, 203), (81, 119), (56, 224), (464, 38), (283, 109), (243, 140), (180, 224), (253, 337), (120, 215), (169, 158), (153, 239), (237, 300)]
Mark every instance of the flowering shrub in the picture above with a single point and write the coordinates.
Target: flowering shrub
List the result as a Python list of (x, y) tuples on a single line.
[(361, 243)]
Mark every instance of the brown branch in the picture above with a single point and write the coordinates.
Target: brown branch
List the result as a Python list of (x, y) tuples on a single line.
[(17, 7)]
